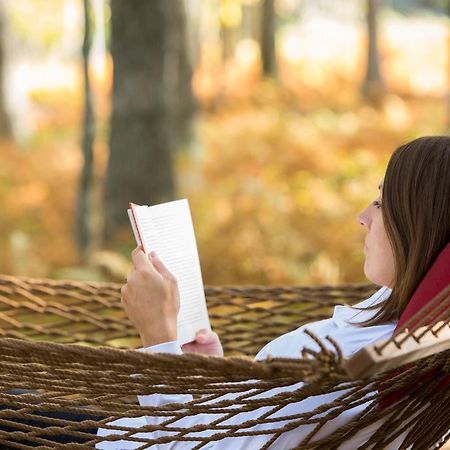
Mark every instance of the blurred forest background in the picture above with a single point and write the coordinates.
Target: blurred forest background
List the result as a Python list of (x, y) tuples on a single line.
[(275, 118)]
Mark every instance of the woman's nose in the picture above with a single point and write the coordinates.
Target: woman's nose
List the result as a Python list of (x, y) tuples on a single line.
[(364, 218)]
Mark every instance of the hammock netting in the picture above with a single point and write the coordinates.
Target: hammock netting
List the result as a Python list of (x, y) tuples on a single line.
[(68, 368)]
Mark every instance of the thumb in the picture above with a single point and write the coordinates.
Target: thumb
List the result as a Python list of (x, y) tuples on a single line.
[(204, 336), (159, 265)]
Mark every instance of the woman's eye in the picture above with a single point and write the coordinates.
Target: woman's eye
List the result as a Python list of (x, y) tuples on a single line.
[(377, 204)]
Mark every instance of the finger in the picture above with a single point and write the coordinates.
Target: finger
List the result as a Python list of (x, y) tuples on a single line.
[(159, 266), (140, 259), (205, 336), (133, 277), (187, 348), (130, 275), (124, 293), (202, 332)]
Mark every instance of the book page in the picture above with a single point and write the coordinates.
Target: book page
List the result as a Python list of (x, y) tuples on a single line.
[(167, 229)]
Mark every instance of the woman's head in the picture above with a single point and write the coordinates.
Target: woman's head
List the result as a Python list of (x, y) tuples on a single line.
[(409, 228)]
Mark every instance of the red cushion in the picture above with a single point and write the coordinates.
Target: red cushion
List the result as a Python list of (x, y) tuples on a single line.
[(436, 279)]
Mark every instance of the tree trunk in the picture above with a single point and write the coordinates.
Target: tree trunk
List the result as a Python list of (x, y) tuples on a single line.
[(5, 124), (373, 86), (226, 36), (83, 213), (140, 166), (178, 75), (268, 49), (251, 22)]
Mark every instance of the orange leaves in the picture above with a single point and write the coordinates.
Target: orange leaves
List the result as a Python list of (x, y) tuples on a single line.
[(279, 186)]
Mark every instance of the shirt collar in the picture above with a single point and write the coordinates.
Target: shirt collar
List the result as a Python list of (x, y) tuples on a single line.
[(347, 316)]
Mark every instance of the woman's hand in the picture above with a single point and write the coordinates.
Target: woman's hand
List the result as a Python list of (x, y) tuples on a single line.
[(206, 342), (150, 299)]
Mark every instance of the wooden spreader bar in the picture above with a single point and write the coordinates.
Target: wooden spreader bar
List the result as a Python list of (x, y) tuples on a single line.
[(402, 349)]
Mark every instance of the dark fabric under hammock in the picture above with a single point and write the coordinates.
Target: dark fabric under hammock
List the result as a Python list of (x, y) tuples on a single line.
[(67, 368)]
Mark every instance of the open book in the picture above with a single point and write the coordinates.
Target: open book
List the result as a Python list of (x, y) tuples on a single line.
[(167, 229)]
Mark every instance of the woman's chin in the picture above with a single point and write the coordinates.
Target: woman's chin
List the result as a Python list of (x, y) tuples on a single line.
[(376, 277)]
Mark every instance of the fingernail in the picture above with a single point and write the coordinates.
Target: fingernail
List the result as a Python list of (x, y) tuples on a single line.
[(153, 254)]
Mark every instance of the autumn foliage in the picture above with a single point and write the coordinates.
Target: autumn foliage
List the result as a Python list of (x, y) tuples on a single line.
[(275, 179)]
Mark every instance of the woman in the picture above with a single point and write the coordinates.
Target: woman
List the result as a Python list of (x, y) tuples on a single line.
[(406, 227)]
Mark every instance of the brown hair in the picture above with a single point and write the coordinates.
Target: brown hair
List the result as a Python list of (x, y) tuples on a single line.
[(416, 215)]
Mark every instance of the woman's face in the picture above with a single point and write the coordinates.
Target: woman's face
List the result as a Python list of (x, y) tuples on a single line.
[(379, 265)]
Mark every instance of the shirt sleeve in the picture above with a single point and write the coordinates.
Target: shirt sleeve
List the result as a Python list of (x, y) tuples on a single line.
[(166, 347)]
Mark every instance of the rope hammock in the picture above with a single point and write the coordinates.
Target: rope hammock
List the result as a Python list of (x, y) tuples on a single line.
[(67, 368)]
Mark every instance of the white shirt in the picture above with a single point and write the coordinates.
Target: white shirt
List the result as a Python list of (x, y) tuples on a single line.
[(341, 327)]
